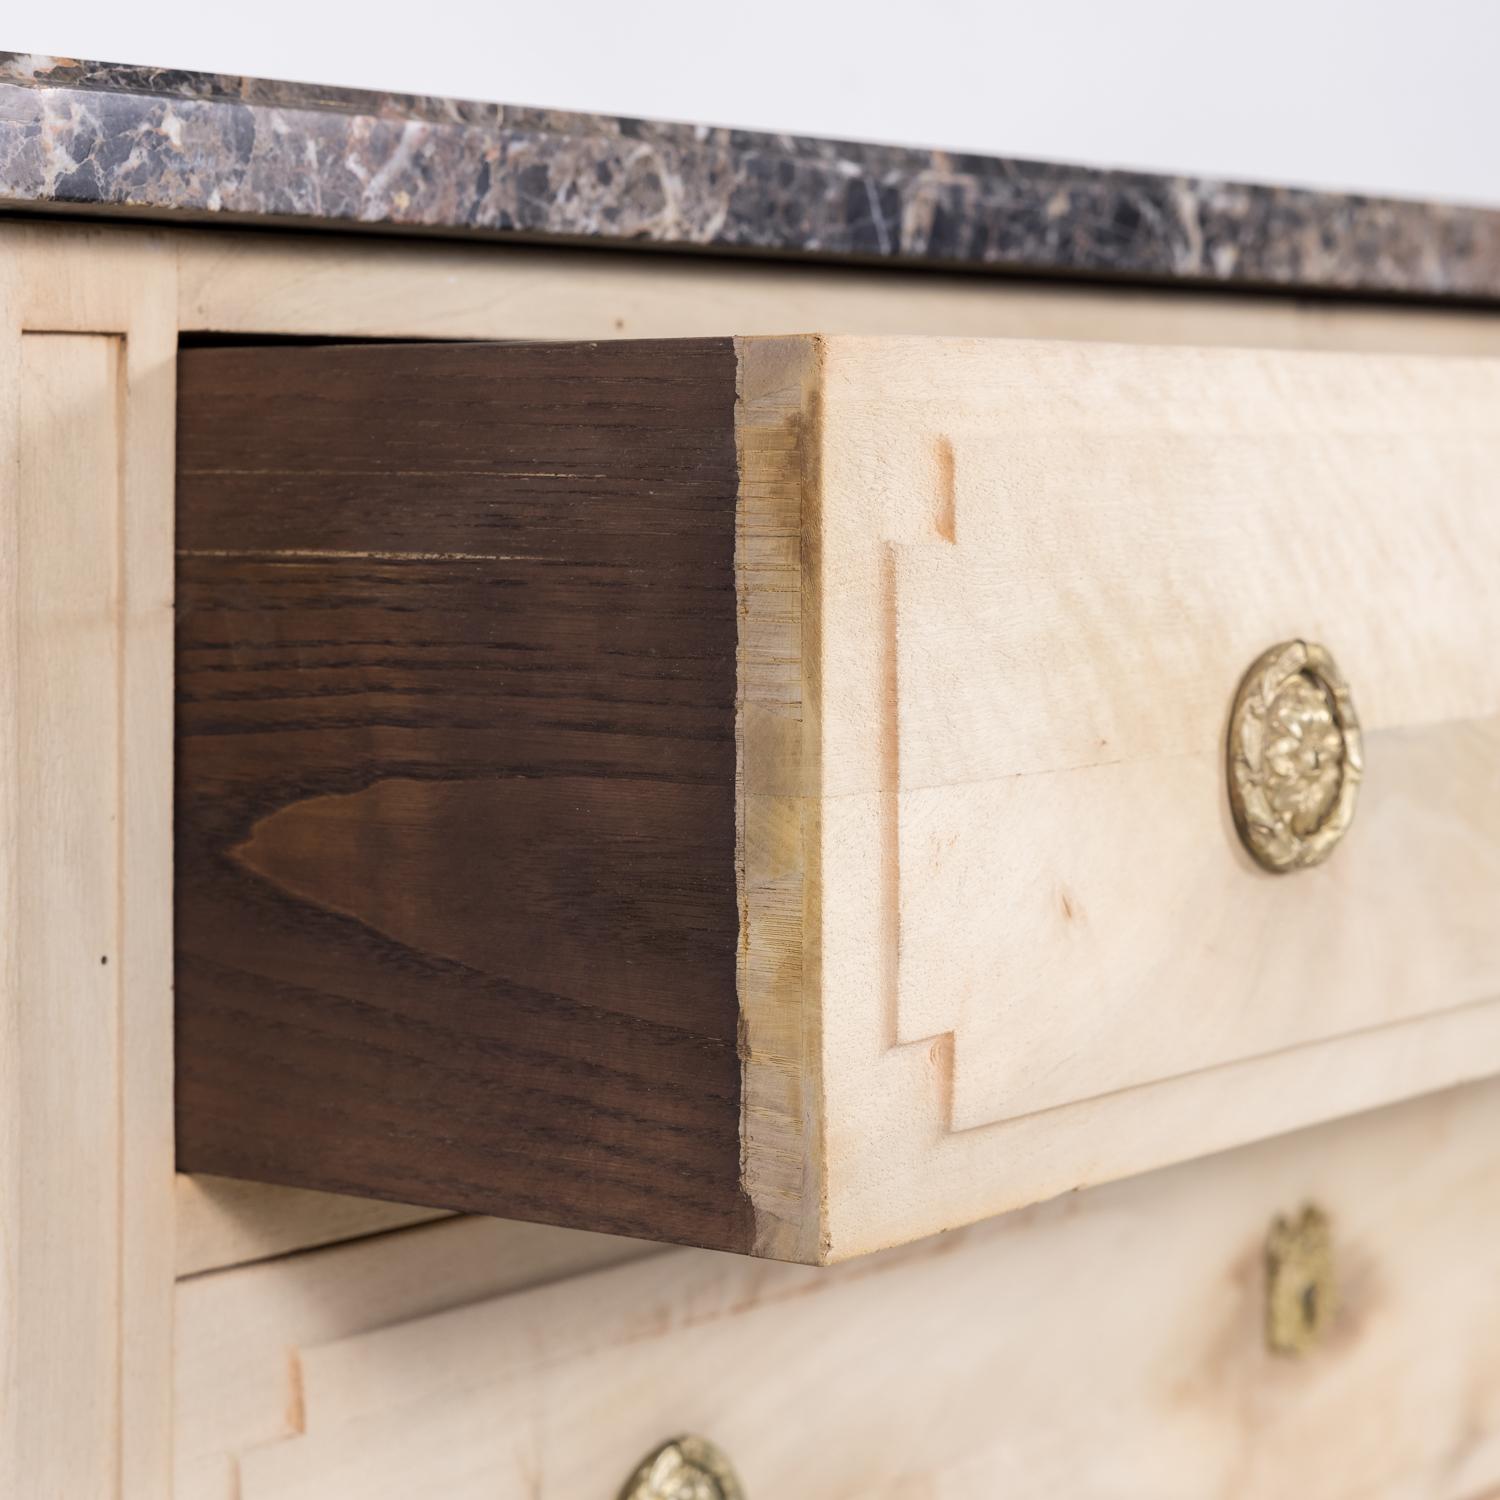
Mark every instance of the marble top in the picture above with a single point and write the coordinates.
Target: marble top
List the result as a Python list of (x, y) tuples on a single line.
[(148, 142)]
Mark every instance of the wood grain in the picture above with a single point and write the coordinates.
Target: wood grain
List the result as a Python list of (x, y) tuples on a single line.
[(239, 1330), (87, 351), (507, 888), (1111, 1345), (95, 280), (782, 1118), (333, 286), (1031, 577), (1129, 526), (455, 810), (66, 711), (223, 1222)]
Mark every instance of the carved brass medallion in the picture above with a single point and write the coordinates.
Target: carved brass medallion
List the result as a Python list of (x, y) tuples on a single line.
[(1301, 1294), (687, 1468), (1295, 760)]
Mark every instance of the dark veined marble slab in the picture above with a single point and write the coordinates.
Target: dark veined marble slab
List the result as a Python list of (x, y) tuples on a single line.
[(151, 142)]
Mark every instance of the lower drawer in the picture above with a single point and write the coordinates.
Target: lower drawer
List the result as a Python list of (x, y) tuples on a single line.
[(1113, 1344)]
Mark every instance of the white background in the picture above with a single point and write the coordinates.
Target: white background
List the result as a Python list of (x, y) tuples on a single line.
[(1380, 95)]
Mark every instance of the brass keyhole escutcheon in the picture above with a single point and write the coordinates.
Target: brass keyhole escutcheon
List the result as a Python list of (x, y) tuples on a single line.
[(1295, 757), (1301, 1292), (687, 1468)]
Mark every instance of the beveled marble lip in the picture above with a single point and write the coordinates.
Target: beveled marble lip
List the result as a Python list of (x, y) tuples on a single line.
[(108, 139)]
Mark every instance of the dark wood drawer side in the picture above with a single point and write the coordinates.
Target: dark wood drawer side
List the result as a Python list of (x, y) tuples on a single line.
[(455, 804)]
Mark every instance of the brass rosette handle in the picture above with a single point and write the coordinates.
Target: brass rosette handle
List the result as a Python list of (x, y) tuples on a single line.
[(687, 1468), (1295, 758)]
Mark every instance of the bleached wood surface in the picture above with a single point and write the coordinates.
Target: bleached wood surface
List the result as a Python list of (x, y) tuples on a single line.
[(223, 1222), (239, 1332), (1109, 1345), (1033, 575), (87, 345), (130, 287)]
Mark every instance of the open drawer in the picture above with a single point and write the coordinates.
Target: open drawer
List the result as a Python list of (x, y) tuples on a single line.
[(772, 794)]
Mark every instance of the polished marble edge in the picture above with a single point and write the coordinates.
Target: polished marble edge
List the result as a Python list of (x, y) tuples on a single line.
[(103, 138)]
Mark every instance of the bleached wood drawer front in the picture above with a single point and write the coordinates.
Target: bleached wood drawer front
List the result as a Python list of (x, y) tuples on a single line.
[(931, 902), (1043, 571), (1112, 1346)]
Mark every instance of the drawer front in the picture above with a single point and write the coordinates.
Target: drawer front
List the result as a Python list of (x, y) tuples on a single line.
[(1045, 954), (1112, 1347), (1072, 908), (774, 794)]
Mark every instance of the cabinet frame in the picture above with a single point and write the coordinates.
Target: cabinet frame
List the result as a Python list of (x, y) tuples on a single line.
[(143, 287)]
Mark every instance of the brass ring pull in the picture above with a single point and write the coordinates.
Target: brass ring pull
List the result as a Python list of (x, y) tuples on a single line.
[(1295, 758), (687, 1468)]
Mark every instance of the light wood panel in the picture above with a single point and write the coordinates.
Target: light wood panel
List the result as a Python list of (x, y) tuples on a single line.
[(85, 552), (239, 1332), (1032, 575), (1110, 1345), (306, 284), (223, 1222), (1127, 535), (121, 281), (65, 716), (12, 1120), (776, 777)]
